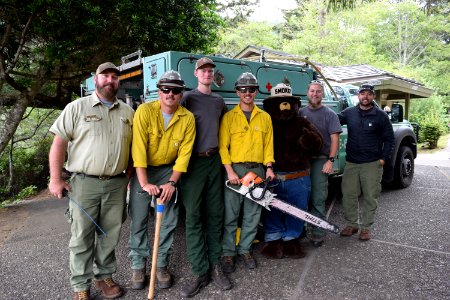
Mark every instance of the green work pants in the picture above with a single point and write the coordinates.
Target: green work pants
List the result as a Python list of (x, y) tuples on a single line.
[(250, 216), (104, 201), (139, 209), (319, 193), (202, 194), (357, 178)]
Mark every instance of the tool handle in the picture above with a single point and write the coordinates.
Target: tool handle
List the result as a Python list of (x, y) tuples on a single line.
[(159, 216)]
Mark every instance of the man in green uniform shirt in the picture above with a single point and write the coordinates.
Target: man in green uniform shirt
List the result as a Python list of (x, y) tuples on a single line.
[(163, 136), (96, 133)]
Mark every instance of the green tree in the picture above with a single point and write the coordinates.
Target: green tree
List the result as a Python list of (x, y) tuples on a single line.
[(236, 11), (48, 46), (332, 38), (234, 39), (403, 32)]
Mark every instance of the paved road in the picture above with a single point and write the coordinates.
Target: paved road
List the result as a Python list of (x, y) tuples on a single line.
[(408, 257)]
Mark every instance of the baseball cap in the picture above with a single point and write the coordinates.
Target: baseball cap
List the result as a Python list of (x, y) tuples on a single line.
[(366, 87), (204, 61), (107, 66)]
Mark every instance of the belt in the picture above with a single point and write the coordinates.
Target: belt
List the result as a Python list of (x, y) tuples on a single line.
[(249, 165), (290, 176), (209, 152), (101, 177)]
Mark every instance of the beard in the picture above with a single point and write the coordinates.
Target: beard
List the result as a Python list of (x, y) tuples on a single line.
[(107, 91), (314, 104)]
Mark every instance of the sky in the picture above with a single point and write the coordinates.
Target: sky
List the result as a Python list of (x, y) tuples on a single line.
[(270, 10)]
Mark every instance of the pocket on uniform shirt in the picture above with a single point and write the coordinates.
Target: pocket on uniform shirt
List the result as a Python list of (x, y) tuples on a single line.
[(92, 124), (239, 131), (126, 125), (177, 137), (260, 133)]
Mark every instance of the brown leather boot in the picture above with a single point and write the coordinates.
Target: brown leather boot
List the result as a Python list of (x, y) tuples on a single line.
[(83, 295), (109, 288), (138, 279), (364, 235), (273, 249), (349, 231), (164, 278)]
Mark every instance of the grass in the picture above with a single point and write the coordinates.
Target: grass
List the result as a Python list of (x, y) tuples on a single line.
[(442, 144)]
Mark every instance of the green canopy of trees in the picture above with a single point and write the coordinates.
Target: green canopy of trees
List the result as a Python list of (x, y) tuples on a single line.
[(48, 46)]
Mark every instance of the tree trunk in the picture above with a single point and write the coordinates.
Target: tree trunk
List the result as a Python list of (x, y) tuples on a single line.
[(12, 120), (14, 116), (11, 168)]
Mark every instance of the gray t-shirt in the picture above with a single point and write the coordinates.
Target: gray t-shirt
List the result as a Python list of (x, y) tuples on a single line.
[(208, 110), (326, 121)]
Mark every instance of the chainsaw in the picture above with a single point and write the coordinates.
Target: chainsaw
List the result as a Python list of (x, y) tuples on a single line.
[(256, 189)]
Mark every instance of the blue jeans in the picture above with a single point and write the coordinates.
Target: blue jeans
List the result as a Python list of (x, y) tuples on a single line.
[(278, 225)]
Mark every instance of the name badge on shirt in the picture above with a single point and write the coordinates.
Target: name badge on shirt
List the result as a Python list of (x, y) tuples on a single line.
[(92, 118)]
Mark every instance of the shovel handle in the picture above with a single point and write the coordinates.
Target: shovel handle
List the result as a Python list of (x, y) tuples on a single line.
[(159, 215)]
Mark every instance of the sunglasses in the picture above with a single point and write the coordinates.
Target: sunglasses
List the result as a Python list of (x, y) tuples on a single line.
[(174, 90), (317, 82), (244, 90)]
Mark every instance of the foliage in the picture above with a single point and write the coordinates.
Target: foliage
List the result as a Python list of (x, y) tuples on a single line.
[(236, 11), (431, 128), (234, 39), (403, 33), (326, 37), (422, 109), (27, 192), (48, 46), (30, 166)]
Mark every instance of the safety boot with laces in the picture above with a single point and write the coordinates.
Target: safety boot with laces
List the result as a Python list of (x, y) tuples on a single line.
[(219, 278), (138, 279), (82, 295), (164, 278), (109, 288), (228, 264)]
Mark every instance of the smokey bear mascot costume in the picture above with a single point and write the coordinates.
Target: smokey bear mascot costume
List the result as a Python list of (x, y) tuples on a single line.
[(295, 141)]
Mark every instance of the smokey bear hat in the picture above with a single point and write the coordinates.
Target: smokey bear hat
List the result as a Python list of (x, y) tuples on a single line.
[(282, 94)]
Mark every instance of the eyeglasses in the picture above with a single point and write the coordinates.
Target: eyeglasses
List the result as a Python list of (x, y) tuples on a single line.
[(174, 90), (244, 90)]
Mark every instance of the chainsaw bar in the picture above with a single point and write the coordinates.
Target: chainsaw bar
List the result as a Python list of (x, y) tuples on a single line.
[(267, 199)]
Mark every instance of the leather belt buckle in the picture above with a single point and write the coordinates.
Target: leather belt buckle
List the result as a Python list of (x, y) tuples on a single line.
[(104, 177), (208, 153)]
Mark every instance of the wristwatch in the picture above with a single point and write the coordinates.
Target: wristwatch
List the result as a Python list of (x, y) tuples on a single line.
[(331, 158), (172, 183)]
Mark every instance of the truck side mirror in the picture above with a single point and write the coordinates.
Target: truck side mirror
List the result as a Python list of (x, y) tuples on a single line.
[(342, 104), (396, 113)]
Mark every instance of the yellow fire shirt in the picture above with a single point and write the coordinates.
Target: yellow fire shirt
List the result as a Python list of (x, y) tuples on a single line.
[(241, 141), (154, 146)]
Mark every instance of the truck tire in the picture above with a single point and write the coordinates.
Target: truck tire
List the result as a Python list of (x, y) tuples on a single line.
[(404, 167)]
